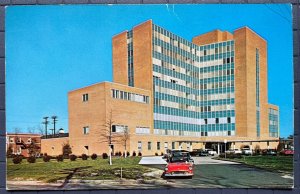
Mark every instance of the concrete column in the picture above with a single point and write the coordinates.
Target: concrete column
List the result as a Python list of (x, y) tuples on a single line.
[(218, 149)]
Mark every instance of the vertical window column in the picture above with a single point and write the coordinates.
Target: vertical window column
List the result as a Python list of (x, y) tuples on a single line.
[(257, 95), (130, 59)]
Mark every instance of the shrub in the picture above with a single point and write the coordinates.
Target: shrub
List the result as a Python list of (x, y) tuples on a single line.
[(31, 159), (104, 156), (17, 159), (66, 150), (156, 154), (84, 157), (140, 154), (9, 152), (133, 153), (46, 158), (73, 157), (128, 154), (94, 156), (161, 153), (60, 158)]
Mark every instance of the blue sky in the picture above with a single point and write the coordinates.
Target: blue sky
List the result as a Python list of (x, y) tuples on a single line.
[(51, 50)]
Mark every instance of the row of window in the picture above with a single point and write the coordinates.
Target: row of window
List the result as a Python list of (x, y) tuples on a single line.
[(209, 108), (180, 126), (162, 92), (121, 129), (18, 140), (158, 145), (191, 76), (216, 133), (188, 46), (129, 96), (192, 114)]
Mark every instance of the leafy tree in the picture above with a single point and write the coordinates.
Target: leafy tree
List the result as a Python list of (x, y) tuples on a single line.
[(66, 150)]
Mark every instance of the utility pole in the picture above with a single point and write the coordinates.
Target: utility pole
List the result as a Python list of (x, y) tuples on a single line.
[(46, 124), (54, 118)]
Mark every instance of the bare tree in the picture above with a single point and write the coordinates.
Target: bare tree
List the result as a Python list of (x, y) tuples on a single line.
[(17, 130), (33, 148), (107, 134), (40, 130), (31, 130), (125, 138)]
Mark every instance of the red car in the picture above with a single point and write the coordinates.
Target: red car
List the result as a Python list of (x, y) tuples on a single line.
[(287, 152), (179, 165)]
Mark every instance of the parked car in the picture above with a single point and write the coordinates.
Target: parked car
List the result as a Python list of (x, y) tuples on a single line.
[(170, 153), (287, 152), (211, 152), (179, 165), (204, 153), (233, 151), (199, 152), (195, 152), (246, 151), (271, 152)]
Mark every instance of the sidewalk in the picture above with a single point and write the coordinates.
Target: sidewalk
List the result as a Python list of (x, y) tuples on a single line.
[(152, 160)]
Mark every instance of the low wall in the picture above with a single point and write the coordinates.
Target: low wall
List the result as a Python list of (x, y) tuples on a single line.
[(53, 146)]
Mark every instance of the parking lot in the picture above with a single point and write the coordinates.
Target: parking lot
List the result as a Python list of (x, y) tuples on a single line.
[(211, 173)]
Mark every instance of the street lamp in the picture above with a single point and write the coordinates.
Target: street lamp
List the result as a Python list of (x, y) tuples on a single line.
[(225, 141)]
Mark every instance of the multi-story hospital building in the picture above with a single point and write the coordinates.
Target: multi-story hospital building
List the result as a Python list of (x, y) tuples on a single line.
[(169, 92)]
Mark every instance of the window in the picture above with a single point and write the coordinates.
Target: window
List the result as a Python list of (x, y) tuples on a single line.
[(229, 133), (228, 60), (86, 130), (113, 128), (139, 145), (228, 120), (121, 94), (11, 140), (204, 52), (29, 140), (173, 81), (85, 97), (113, 93), (216, 50), (158, 145), (173, 145), (149, 145), (19, 140)]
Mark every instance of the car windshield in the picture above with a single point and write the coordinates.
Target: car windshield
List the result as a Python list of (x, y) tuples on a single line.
[(180, 157)]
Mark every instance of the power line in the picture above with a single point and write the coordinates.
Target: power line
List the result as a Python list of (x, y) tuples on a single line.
[(46, 124), (54, 118), (278, 13)]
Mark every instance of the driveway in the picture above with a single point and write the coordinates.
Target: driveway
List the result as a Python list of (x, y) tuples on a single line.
[(210, 160)]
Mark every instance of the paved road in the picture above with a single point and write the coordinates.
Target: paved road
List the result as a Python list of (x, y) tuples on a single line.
[(209, 173)]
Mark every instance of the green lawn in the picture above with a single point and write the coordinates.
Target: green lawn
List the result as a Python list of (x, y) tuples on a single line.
[(272, 163), (84, 169)]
